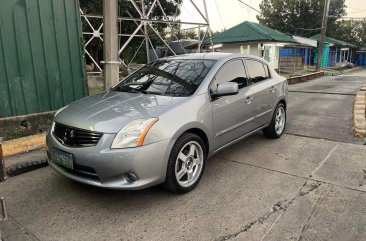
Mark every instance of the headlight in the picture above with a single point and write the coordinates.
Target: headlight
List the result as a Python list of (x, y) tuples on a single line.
[(133, 134)]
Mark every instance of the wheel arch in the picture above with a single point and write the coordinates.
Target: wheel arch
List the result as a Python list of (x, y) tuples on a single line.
[(283, 101), (199, 132), (194, 129)]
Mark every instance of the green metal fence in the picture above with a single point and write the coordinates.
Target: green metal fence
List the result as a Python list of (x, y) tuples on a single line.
[(41, 60)]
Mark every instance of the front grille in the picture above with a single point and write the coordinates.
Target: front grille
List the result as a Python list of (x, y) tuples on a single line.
[(74, 137)]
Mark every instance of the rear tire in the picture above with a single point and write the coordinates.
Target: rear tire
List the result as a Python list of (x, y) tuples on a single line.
[(278, 124), (186, 164)]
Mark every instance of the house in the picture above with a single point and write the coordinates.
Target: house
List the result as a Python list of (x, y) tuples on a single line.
[(307, 47), (294, 57), (255, 39), (335, 52), (361, 57)]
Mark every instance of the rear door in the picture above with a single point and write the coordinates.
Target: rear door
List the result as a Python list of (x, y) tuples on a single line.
[(262, 91), (230, 113)]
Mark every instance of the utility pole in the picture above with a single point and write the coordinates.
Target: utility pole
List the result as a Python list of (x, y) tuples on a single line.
[(110, 43), (146, 33), (322, 34)]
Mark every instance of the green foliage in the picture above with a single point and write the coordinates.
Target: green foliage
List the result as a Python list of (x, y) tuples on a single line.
[(299, 17), (191, 34), (15, 133), (216, 33), (352, 31)]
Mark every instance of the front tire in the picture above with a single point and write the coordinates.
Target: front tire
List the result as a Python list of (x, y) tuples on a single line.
[(186, 164), (278, 124)]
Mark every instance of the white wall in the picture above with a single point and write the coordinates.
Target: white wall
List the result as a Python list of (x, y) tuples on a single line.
[(254, 50), (235, 48)]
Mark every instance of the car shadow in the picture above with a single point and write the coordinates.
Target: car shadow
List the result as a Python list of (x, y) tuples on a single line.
[(158, 190)]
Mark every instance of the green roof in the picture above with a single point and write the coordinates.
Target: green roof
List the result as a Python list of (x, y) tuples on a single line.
[(334, 41), (251, 32)]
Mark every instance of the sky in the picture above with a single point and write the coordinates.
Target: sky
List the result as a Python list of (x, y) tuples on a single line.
[(228, 13)]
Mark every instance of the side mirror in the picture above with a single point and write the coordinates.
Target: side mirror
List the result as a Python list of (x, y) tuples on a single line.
[(225, 89)]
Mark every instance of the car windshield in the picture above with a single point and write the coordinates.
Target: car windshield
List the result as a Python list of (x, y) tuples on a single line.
[(178, 78)]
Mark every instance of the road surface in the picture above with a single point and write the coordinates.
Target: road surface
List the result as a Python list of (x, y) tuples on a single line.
[(308, 185)]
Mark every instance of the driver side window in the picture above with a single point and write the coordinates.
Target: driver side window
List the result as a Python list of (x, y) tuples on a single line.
[(232, 71)]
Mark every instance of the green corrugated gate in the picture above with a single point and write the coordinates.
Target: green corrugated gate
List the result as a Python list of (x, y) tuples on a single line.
[(41, 59)]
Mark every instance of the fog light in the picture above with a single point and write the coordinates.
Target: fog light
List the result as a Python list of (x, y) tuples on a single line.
[(130, 177)]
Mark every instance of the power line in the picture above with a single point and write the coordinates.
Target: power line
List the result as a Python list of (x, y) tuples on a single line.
[(360, 18), (218, 10), (356, 8), (249, 6), (360, 11), (309, 29)]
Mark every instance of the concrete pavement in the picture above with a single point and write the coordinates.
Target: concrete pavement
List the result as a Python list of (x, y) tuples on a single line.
[(294, 188), (322, 108)]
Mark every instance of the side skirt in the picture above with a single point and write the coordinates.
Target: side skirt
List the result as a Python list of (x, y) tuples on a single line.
[(239, 139)]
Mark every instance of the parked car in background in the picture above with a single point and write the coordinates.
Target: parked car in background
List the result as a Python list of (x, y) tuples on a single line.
[(160, 124)]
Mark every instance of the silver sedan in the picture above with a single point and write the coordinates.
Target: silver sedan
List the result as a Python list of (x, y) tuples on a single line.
[(160, 124)]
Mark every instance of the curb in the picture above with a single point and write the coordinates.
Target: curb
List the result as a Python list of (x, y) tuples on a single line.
[(304, 78), (352, 69), (359, 113), (24, 144)]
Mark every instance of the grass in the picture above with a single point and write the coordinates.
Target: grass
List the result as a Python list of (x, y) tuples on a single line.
[(15, 133)]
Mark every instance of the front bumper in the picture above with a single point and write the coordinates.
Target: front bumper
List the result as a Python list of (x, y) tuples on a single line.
[(104, 167)]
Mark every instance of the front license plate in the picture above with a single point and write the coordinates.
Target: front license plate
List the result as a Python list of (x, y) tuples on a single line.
[(63, 158)]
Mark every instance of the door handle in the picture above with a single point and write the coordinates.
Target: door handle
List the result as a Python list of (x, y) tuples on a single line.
[(272, 89), (249, 100)]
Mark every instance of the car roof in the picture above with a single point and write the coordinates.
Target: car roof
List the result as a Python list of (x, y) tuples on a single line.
[(211, 56)]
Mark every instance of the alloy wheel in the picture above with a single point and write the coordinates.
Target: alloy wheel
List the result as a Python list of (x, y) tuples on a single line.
[(280, 120), (188, 165)]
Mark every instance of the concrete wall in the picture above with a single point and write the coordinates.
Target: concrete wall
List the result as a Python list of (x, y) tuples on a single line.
[(19, 126)]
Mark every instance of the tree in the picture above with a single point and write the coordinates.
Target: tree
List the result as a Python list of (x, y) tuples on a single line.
[(362, 32), (299, 17), (342, 29)]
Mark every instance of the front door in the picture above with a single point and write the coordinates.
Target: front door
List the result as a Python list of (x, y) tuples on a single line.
[(231, 114)]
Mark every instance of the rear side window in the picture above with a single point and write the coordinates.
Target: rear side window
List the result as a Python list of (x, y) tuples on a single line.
[(257, 71), (232, 71)]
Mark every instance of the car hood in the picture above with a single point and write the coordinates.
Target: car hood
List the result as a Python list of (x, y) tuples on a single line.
[(108, 112)]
